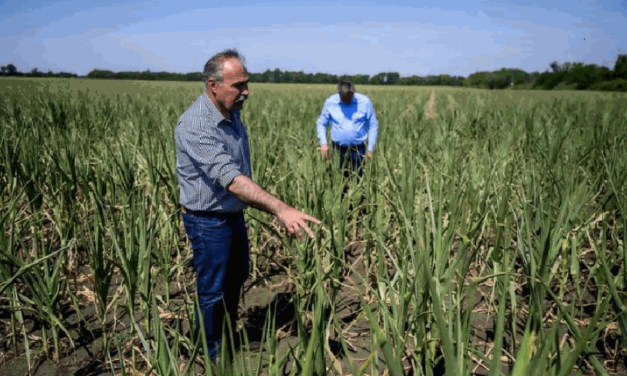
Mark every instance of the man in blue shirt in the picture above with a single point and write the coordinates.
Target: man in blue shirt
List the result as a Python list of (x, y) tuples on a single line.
[(215, 180), (352, 120)]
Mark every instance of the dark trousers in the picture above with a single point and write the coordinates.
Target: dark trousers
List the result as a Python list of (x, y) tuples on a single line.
[(351, 158), (221, 262)]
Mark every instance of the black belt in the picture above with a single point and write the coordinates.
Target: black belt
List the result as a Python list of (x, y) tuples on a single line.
[(212, 214), (335, 144)]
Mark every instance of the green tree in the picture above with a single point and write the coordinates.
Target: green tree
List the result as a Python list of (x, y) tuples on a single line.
[(393, 78), (620, 68), (11, 70)]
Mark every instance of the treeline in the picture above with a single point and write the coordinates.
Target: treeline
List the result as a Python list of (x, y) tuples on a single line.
[(145, 75), (11, 70), (279, 76), (569, 76), (384, 78), (574, 76)]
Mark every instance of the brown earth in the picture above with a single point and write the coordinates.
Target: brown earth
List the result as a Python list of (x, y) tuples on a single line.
[(269, 290)]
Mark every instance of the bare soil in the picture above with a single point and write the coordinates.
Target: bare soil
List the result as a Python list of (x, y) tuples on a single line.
[(270, 291)]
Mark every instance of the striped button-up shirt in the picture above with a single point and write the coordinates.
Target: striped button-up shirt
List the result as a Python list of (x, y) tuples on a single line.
[(210, 152)]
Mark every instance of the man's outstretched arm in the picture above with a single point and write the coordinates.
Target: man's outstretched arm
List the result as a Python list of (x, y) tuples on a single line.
[(252, 194)]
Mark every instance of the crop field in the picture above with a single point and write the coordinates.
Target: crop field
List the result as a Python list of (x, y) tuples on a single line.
[(487, 236)]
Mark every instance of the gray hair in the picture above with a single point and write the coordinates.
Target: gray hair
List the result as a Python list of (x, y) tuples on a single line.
[(214, 66), (345, 87)]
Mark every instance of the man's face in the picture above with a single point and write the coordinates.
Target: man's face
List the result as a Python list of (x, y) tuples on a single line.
[(233, 90), (347, 98)]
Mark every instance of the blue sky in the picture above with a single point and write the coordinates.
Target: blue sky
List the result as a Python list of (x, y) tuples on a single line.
[(454, 37)]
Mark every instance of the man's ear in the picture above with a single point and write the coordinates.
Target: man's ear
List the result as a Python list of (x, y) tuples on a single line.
[(212, 86)]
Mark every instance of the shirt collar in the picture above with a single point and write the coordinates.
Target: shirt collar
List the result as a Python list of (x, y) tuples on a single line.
[(214, 113), (339, 99)]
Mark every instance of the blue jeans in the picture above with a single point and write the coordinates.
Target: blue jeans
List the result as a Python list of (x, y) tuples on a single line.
[(221, 262), (351, 158)]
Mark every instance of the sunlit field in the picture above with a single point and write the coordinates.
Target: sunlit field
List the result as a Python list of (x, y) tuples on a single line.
[(487, 236)]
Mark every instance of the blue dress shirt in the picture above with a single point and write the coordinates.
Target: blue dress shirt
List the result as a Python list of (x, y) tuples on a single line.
[(350, 123)]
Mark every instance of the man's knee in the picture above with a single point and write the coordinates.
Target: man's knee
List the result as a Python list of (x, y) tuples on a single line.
[(211, 300)]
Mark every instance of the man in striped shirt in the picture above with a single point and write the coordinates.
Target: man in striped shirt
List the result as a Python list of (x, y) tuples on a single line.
[(214, 171)]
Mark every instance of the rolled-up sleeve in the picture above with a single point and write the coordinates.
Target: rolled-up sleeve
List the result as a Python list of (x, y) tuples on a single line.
[(322, 123), (209, 154)]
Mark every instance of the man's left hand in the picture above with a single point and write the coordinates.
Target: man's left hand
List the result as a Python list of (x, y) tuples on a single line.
[(368, 155)]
